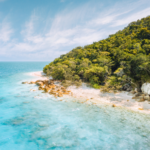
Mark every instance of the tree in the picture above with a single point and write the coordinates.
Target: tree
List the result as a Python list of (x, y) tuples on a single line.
[(97, 63), (138, 68)]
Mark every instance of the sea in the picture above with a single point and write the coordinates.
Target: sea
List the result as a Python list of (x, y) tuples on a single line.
[(33, 120)]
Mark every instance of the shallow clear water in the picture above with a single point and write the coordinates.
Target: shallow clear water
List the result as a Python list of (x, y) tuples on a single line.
[(36, 121)]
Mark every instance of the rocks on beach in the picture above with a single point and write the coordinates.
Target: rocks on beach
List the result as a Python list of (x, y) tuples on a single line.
[(50, 87), (54, 87), (141, 97)]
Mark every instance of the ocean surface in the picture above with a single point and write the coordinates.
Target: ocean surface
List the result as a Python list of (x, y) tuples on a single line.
[(38, 121)]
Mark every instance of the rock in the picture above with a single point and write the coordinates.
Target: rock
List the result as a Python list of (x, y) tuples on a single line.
[(49, 85), (127, 87), (66, 93), (133, 92), (141, 100), (47, 89), (52, 86), (119, 72), (114, 105), (138, 94), (53, 92), (62, 87), (60, 94), (137, 97), (46, 82), (140, 97), (64, 90), (39, 83), (32, 82), (24, 82), (146, 97), (41, 88), (146, 88)]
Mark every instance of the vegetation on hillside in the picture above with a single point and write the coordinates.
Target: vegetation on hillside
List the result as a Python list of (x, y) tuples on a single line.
[(121, 61)]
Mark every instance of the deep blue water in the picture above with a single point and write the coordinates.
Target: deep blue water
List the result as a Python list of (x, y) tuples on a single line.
[(38, 121)]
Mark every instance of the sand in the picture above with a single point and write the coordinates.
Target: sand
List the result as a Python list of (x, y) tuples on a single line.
[(89, 95)]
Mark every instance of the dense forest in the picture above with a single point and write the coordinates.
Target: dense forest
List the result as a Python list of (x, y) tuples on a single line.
[(120, 62)]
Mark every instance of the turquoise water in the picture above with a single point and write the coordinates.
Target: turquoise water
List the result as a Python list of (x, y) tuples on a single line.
[(36, 121)]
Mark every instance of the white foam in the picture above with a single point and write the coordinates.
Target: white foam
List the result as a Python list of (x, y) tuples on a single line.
[(39, 75)]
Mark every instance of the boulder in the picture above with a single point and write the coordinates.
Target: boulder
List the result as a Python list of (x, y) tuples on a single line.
[(46, 89), (138, 94), (141, 100), (41, 88), (146, 97), (24, 82), (133, 92), (60, 94), (32, 82), (64, 90), (127, 87), (146, 88), (66, 93), (114, 105), (39, 83), (53, 86), (49, 86), (53, 92), (137, 97), (51, 82), (46, 82)]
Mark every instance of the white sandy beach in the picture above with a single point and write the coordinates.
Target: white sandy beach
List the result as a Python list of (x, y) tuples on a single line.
[(93, 96)]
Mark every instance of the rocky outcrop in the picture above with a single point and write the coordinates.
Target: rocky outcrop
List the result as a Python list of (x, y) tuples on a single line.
[(49, 86)]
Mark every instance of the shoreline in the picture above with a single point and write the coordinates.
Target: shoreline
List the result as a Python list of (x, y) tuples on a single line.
[(89, 95)]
